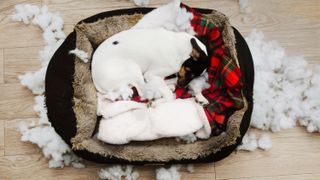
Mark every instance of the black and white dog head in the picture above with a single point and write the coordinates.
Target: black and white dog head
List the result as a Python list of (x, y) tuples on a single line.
[(194, 66)]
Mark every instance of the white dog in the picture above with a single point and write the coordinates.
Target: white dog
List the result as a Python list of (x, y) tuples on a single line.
[(135, 55)]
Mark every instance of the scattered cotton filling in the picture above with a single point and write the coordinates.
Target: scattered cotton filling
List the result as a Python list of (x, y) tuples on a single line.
[(116, 172), (41, 132), (171, 173), (80, 54), (141, 2)]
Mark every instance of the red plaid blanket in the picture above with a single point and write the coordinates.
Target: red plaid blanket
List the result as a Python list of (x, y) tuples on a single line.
[(224, 75)]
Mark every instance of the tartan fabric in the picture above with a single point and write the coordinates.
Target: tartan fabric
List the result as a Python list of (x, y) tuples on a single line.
[(224, 76)]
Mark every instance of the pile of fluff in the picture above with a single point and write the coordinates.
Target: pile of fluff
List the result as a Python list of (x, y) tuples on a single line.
[(286, 91), (41, 132)]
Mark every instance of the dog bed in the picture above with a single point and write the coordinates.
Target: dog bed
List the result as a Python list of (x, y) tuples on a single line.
[(71, 97)]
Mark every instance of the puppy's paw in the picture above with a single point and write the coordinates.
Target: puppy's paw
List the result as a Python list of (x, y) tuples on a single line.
[(201, 134), (201, 100)]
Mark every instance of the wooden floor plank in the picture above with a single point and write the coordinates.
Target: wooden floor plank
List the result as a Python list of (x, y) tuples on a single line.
[(289, 155), (2, 137), (16, 102), (18, 61), (289, 177), (14, 145), (36, 167), (1, 67), (16, 34)]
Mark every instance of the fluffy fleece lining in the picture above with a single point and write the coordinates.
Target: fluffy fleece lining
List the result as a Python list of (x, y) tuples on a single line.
[(89, 36)]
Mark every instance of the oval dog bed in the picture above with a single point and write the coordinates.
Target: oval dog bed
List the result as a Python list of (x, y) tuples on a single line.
[(71, 97)]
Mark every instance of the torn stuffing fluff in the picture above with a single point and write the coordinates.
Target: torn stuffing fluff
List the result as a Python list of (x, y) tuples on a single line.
[(244, 6), (41, 132), (170, 16), (171, 173), (264, 142), (286, 89), (141, 2), (249, 142), (116, 172), (80, 54), (190, 168)]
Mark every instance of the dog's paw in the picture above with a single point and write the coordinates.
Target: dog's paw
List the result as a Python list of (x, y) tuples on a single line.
[(201, 100), (201, 134)]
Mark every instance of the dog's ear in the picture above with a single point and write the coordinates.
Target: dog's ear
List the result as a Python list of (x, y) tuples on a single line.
[(197, 52)]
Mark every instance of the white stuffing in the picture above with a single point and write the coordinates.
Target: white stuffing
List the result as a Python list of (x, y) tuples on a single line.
[(244, 7), (116, 172), (170, 16), (286, 90), (41, 133), (53, 147), (197, 85), (249, 142), (190, 168), (80, 54), (52, 25), (78, 165), (171, 173), (141, 2), (264, 142)]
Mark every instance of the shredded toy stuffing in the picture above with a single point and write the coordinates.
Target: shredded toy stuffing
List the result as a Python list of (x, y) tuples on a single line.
[(41, 132), (80, 54), (116, 172), (286, 89), (171, 173), (141, 2), (190, 168), (244, 6), (249, 142), (264, 142)]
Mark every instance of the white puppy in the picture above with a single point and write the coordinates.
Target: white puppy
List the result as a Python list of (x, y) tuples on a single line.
[(135, 55), (125, 121)]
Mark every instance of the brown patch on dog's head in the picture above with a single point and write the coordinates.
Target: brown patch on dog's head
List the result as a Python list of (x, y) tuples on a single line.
[(194, 66), (195, 54)]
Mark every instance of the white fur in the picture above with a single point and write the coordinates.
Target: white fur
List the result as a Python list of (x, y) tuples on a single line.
[(189, 138), (125, 121), (150, 54)]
